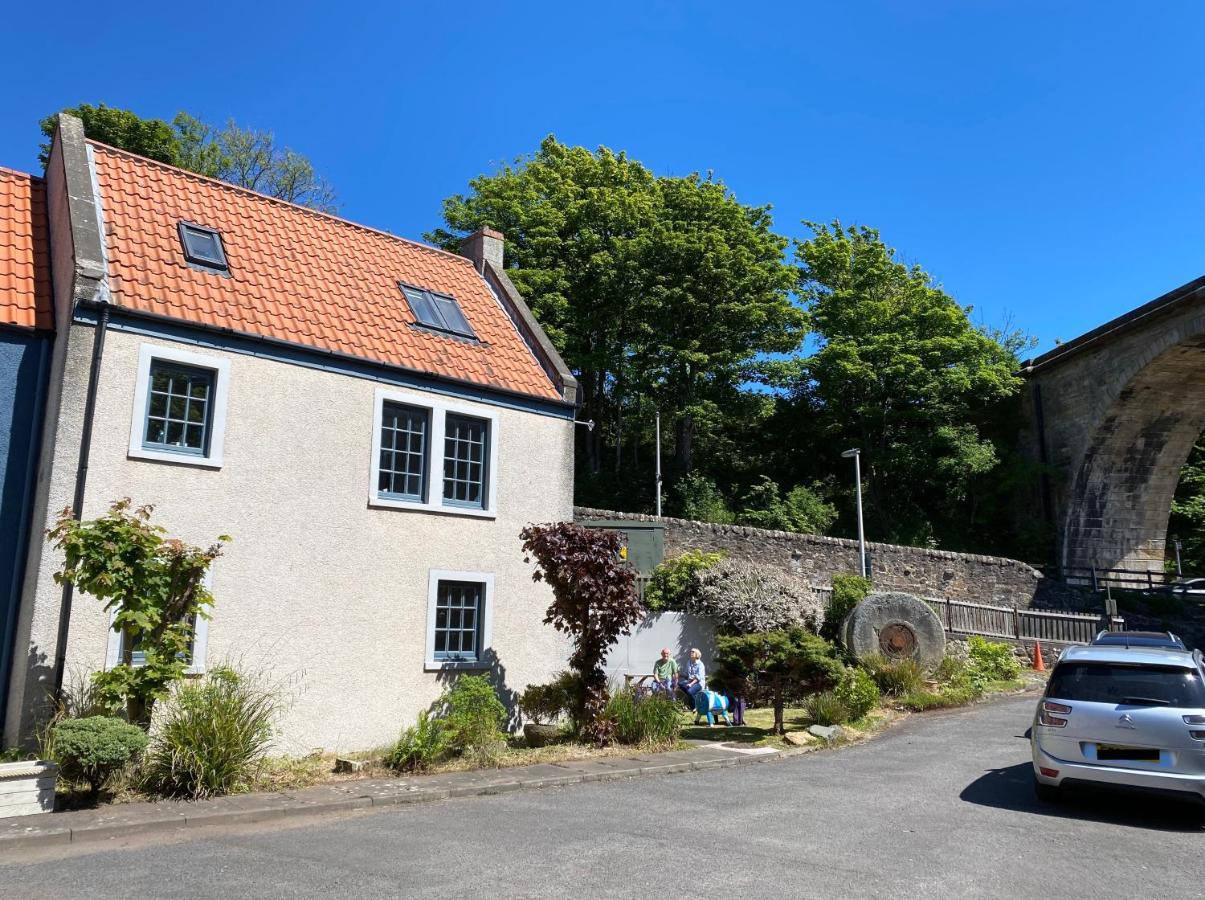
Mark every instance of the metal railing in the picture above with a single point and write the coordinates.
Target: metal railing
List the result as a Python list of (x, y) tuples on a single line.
[(1121, 579)]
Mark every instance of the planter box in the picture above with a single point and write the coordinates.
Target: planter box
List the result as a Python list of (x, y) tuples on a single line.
[(27, 787)]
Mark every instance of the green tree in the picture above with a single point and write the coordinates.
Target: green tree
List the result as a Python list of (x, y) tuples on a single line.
[(660, 292), (802, 510), (153, 585), (152, 138), (902, 373), (697, 497), (246, 157), (775, 666), (1187, 521)]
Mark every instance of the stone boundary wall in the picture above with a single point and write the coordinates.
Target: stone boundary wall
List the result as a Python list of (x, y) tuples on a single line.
[(968, 577)]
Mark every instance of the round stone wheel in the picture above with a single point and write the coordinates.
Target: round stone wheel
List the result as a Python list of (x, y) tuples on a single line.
[(897, 626)]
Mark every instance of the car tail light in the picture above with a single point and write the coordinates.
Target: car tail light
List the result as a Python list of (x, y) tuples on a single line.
[(1194, 720), (1049, 773), (1046, 718)]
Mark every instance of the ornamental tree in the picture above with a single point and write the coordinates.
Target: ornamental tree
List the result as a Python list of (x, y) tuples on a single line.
[(154, 586), (593, 601), (773, 666)]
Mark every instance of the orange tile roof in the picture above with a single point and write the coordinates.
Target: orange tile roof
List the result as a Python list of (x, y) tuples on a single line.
[(299, 276), (25, 297)]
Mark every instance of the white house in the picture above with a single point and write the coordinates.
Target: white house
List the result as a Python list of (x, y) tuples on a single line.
[(373, 420)]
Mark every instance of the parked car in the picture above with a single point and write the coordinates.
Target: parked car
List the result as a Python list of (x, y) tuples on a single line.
[(1138, 639), (1125, 717), (1191, 587)]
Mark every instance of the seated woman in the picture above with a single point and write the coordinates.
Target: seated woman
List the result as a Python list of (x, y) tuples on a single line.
[(665, 674), (695, 679)]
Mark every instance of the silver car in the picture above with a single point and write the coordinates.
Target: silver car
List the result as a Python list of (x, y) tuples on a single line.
[(1127, 717)]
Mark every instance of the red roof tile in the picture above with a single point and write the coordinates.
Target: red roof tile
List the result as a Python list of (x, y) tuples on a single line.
[(298, 276), (25, 297)]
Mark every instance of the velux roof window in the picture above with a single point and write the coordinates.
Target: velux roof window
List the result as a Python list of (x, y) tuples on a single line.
[(438, 311), (203, 247)]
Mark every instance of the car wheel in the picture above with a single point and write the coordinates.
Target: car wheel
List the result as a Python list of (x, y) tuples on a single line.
[(1047, 793)]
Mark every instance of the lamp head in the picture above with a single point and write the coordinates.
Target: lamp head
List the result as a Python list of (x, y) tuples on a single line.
[(850, 454)]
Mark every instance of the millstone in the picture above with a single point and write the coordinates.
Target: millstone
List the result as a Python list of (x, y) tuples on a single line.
[(897, 626)]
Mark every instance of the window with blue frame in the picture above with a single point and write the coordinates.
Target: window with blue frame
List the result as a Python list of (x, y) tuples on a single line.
[(458, 620), (179, 408), (403, 468), (466, 442)]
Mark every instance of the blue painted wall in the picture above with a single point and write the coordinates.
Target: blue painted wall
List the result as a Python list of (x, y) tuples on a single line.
[(24, 359)]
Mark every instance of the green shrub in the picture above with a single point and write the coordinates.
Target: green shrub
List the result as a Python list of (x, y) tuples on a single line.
[(848, 592), (420, 746), (670, 581), (858, 692), (213, 738), (471, 717), (951, 668), (895, 677), (992, 660), (94, 748), (827, 708), (653, 721), (949, 695)]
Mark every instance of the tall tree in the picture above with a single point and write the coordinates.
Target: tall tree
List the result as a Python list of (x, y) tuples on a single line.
[(660, 292), (901, 372), (241, 156)]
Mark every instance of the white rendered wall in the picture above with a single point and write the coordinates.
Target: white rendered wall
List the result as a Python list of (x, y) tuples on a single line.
[(323, 594)]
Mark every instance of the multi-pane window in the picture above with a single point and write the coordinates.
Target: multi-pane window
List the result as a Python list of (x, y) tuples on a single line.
[(178, 408), (438, 311), (458, 620), (465, 445), (403, 465), (203, 246)]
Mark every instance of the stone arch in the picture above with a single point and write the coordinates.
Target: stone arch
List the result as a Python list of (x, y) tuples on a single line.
[(1121, 493)]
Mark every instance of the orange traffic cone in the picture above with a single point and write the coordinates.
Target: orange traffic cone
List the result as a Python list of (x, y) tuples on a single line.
[(1039, 664)]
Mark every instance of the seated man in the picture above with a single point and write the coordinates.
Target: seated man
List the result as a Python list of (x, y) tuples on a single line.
[(696, 676), (665, 674)]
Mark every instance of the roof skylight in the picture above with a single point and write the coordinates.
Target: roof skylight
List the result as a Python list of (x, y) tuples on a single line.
[(438, 311), (203, 247)]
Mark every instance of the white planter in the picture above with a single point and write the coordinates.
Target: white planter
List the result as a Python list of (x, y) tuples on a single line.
[(27, 787)]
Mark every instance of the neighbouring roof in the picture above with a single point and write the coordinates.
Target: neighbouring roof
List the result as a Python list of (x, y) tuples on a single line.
[(25, 297), (298, 276)]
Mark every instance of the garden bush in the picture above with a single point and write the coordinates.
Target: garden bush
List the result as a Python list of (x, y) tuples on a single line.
[(858, 692), (650, 721), (213, 737), (746, 598), (992, 660), (827, 708), (420, 746), (848, 592), (670, 582), (470, 717), (95, 748), (895, 677)]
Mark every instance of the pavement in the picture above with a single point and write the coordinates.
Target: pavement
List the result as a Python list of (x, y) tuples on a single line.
[(941, 806)]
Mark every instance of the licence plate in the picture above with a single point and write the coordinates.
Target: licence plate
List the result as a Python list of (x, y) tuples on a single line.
[(1134, 754)]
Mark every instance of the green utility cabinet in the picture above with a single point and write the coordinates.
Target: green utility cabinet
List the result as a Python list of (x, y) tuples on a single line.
[(645, 541)]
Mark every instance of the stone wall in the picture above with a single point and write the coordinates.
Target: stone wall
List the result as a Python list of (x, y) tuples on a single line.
[(917, 570)]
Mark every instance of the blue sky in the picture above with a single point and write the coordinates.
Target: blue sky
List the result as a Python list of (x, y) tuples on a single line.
[(1042, 159)]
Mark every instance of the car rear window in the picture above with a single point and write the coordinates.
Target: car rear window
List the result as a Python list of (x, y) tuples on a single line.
[(1120, 683)]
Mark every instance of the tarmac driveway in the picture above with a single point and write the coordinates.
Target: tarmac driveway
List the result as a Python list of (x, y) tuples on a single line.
[(941, 806)]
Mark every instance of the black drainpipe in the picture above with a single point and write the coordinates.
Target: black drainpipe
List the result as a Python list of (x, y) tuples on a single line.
[(81, 481)]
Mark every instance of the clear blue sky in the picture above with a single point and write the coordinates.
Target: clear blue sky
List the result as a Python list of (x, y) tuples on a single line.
[(1042, 159)]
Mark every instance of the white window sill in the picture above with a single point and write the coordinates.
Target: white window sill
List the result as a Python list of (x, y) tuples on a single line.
[(180, 459), (439, 665), (415, 506)]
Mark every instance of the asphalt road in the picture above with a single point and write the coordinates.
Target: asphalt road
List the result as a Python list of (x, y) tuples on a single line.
[(940, 807)]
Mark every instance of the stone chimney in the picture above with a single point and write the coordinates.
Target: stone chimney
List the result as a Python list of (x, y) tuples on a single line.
[(482, 246)]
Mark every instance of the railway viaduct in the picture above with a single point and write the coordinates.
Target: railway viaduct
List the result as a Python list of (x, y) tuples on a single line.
[(1113, 415)]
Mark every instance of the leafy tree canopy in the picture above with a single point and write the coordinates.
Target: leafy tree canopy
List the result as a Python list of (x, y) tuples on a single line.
[(245, 157), (901, 372)]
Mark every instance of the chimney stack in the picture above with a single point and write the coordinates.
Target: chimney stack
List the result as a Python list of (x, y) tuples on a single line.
[(482, 246)]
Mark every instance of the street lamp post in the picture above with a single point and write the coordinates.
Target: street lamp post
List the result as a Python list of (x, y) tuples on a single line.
[(657, 477), (856, 456)]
